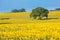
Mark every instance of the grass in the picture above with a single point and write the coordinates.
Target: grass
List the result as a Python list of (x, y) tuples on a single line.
[(19, 26)]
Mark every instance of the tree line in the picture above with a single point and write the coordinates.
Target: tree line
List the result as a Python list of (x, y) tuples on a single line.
[(20, 10), (37, 13)]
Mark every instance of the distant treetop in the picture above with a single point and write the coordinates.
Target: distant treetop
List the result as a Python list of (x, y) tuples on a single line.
[(20, 10), (57, 9)]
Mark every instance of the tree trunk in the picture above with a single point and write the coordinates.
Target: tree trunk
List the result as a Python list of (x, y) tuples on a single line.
[(46, 16), (40, 17)]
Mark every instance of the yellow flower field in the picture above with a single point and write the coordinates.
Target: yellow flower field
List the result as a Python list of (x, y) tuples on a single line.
[(19, 26)]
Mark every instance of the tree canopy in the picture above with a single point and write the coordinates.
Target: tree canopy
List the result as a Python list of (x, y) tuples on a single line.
[(39, 12), (20, 10)]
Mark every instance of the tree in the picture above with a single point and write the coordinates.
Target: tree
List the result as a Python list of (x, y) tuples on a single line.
[(22, 10), (57, 9), (15, 10), (40, 13)]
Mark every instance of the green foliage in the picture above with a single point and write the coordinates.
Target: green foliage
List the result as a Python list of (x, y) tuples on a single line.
[(15, 10), (41, 38), (39, 12), (20, 10), (47, 38), (57, 9)]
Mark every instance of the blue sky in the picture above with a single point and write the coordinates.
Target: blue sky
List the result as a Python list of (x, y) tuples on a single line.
[(8, 5)]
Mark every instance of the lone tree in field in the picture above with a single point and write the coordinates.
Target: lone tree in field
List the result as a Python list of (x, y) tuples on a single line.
[(39, 12)]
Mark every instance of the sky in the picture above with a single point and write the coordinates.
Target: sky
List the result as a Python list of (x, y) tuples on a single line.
[(8, 5)]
